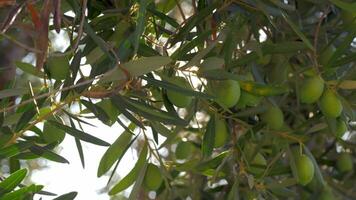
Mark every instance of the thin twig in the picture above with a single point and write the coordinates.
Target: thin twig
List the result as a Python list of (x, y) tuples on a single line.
[(18, 43), (316, 37), (50, 93), (181, 11)]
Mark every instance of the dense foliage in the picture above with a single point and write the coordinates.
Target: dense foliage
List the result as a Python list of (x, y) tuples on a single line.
[(224, 99)]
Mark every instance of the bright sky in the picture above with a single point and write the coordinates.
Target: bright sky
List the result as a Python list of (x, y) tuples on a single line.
[(63, 178)]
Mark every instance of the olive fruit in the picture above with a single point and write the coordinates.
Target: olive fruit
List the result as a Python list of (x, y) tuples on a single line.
[(178, 99), (344, 162), (330, 104), (326, 194), (340, 128), (227, 92), (305, 169), (273, 117), (51, 133), (311, 90), (248, 99), (221, 133), (153, 177), (58, 67), (184, 150)]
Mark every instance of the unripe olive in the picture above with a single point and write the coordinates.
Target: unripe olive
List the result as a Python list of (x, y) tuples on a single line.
[(344, 162), (311, 90), (305, 169), (330, 104), (153, 177), (58, 67), (52, 134), (248, 99), (340, 128), (273, 117), (227, 92), (178, 99), (326, 194), (221, 133), (184, 150)]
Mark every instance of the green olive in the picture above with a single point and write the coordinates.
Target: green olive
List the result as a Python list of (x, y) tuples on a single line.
[(58, 67), (311, 90), (227, 92), (184, 150), (221, 133), (52, 134), (305, 169), (326, 194), (176, 98), (340, 128), (248, 99), (153, 177), (330, 104), (273, 117), (344, 162)]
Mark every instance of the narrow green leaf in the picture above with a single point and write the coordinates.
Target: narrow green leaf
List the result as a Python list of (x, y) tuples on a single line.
[(96, 110), (119, 104), (22, 192), (98, 40), (29, 69), (209, 138), (163, 16), (115, 152), (138, 183), (131, 177), (170, 86), (46, 153), (140, 26), (12, 181), (350, 7), (68, 196), (137, 67), (12, 92), (14, 149), (79, 134), (297, 31), (151, 112)]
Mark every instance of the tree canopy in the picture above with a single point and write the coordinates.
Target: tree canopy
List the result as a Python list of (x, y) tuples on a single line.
[(222, 99)]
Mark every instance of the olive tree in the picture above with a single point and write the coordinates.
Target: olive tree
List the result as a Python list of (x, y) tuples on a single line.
[(222, 99)]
